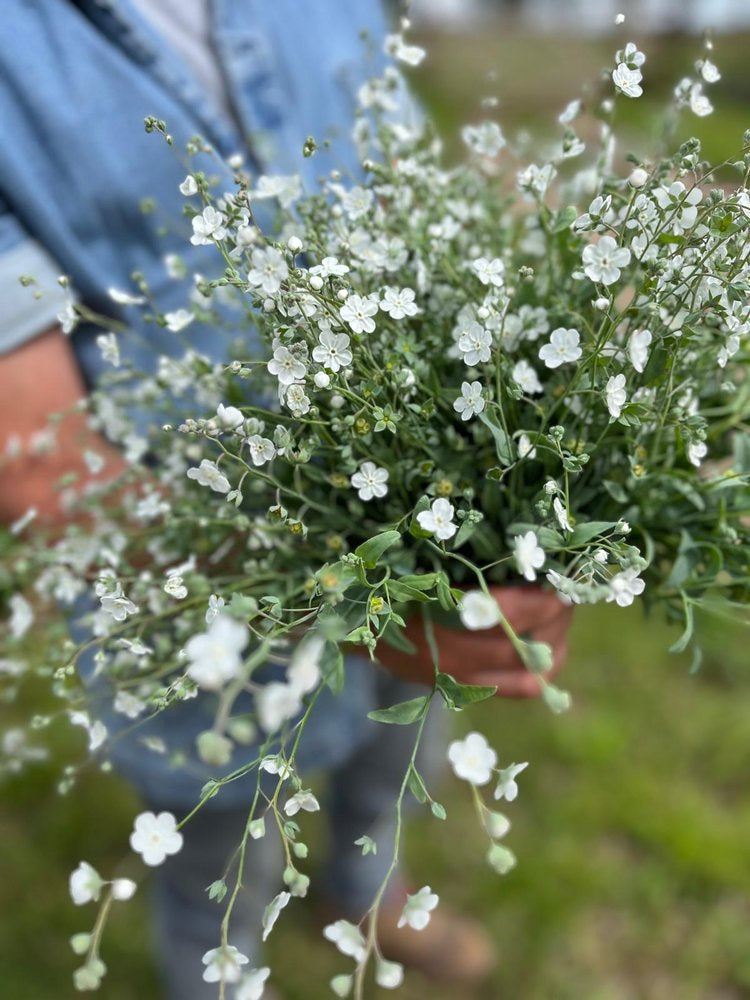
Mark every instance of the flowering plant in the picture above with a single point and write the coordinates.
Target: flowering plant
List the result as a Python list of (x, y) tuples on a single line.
[(456, 378)]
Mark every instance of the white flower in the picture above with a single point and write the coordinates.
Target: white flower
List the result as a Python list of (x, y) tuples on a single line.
[(625, 587), (470, 401), (297, 399), (616, 395), (229, 417), (269, 269), (175, 587), (489, 272), (474, 343), (128, 704), (358, 312), (304, 670), (529, 554), (333, 351), (561, 513), (216, 655), (155, 837), (472, 759), (418, 909), (699, 103), (329, 267), (124, 298), (107, 344), (21, 616), (697, 452), (602, 261), (638, 177), (252, 984), (395, 46), (207, 227), (526, 377), (525, 447), (286, 366), (286, 189), (638, 345), (85, 884), (389, 975), (223, 965), (215, 605), (347, 937), (189, 186), (304, 800), (275, 704), (272, 911), (97, 731), (399, 302), (478, 611), (628, 80), (123, 889), (562, 347), (370, 481), (506, 785), (207, 474), (709, 71), (261, 449), (178, 320), (439, 519), (322, 380), (485, 139), (116, 603)]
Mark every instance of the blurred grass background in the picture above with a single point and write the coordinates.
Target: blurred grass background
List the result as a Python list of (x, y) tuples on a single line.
[(632, 824)]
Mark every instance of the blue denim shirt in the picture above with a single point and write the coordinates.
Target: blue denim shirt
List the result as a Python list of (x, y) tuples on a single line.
[(77, 78)]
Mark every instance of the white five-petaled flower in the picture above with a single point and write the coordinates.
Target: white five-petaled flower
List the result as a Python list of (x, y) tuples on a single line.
[(85, 884), (485, 139), (347, 937), (696, 452), (699, 103), (357, 313), (389, 975), (638, 346), (625, 587), (438, 519), (418, 909), (529, 554), (474, 343), (616, 395), (110, 350), (208, 226), (207, 474), (155, 837), (489, 272), (272, 911), (333, 351), (399, 302), (329, 267), (478, 610), (269, 269), (526, 377), (261, 449), (229, 417), (276, 703), (507, 787), (472, 759), (178, 319), (562, 348), (189, 186), (116, 603), (602, 261), (304, 800), (215, 656), (252, 984), (224, 965), (627, 80), (470, 401), (561, 513), (296, 398), (370, 481), (286, 366)]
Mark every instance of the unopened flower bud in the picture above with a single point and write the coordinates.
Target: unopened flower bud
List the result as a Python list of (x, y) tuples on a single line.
[(638, 177)]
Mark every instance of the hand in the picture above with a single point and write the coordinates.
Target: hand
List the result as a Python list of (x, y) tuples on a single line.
[(487, 656)]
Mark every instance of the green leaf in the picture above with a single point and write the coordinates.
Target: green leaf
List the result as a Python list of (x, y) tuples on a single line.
[(371, 550), (456, 695), (503, 444), (416, 785), (438, 810), (399, 592), (583, 533), (420, 581), (332, 667), (564, 219), (401, 714), (445, 594), (681, 644), (424, 503), (394, 636), (464, 533)]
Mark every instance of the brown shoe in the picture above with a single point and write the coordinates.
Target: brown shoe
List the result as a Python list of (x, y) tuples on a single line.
[(452, 948)]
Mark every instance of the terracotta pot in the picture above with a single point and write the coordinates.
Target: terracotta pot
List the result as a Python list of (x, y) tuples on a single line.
[(486, 656)]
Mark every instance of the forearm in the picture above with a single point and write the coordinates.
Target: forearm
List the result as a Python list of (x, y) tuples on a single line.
[(37, 379)]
